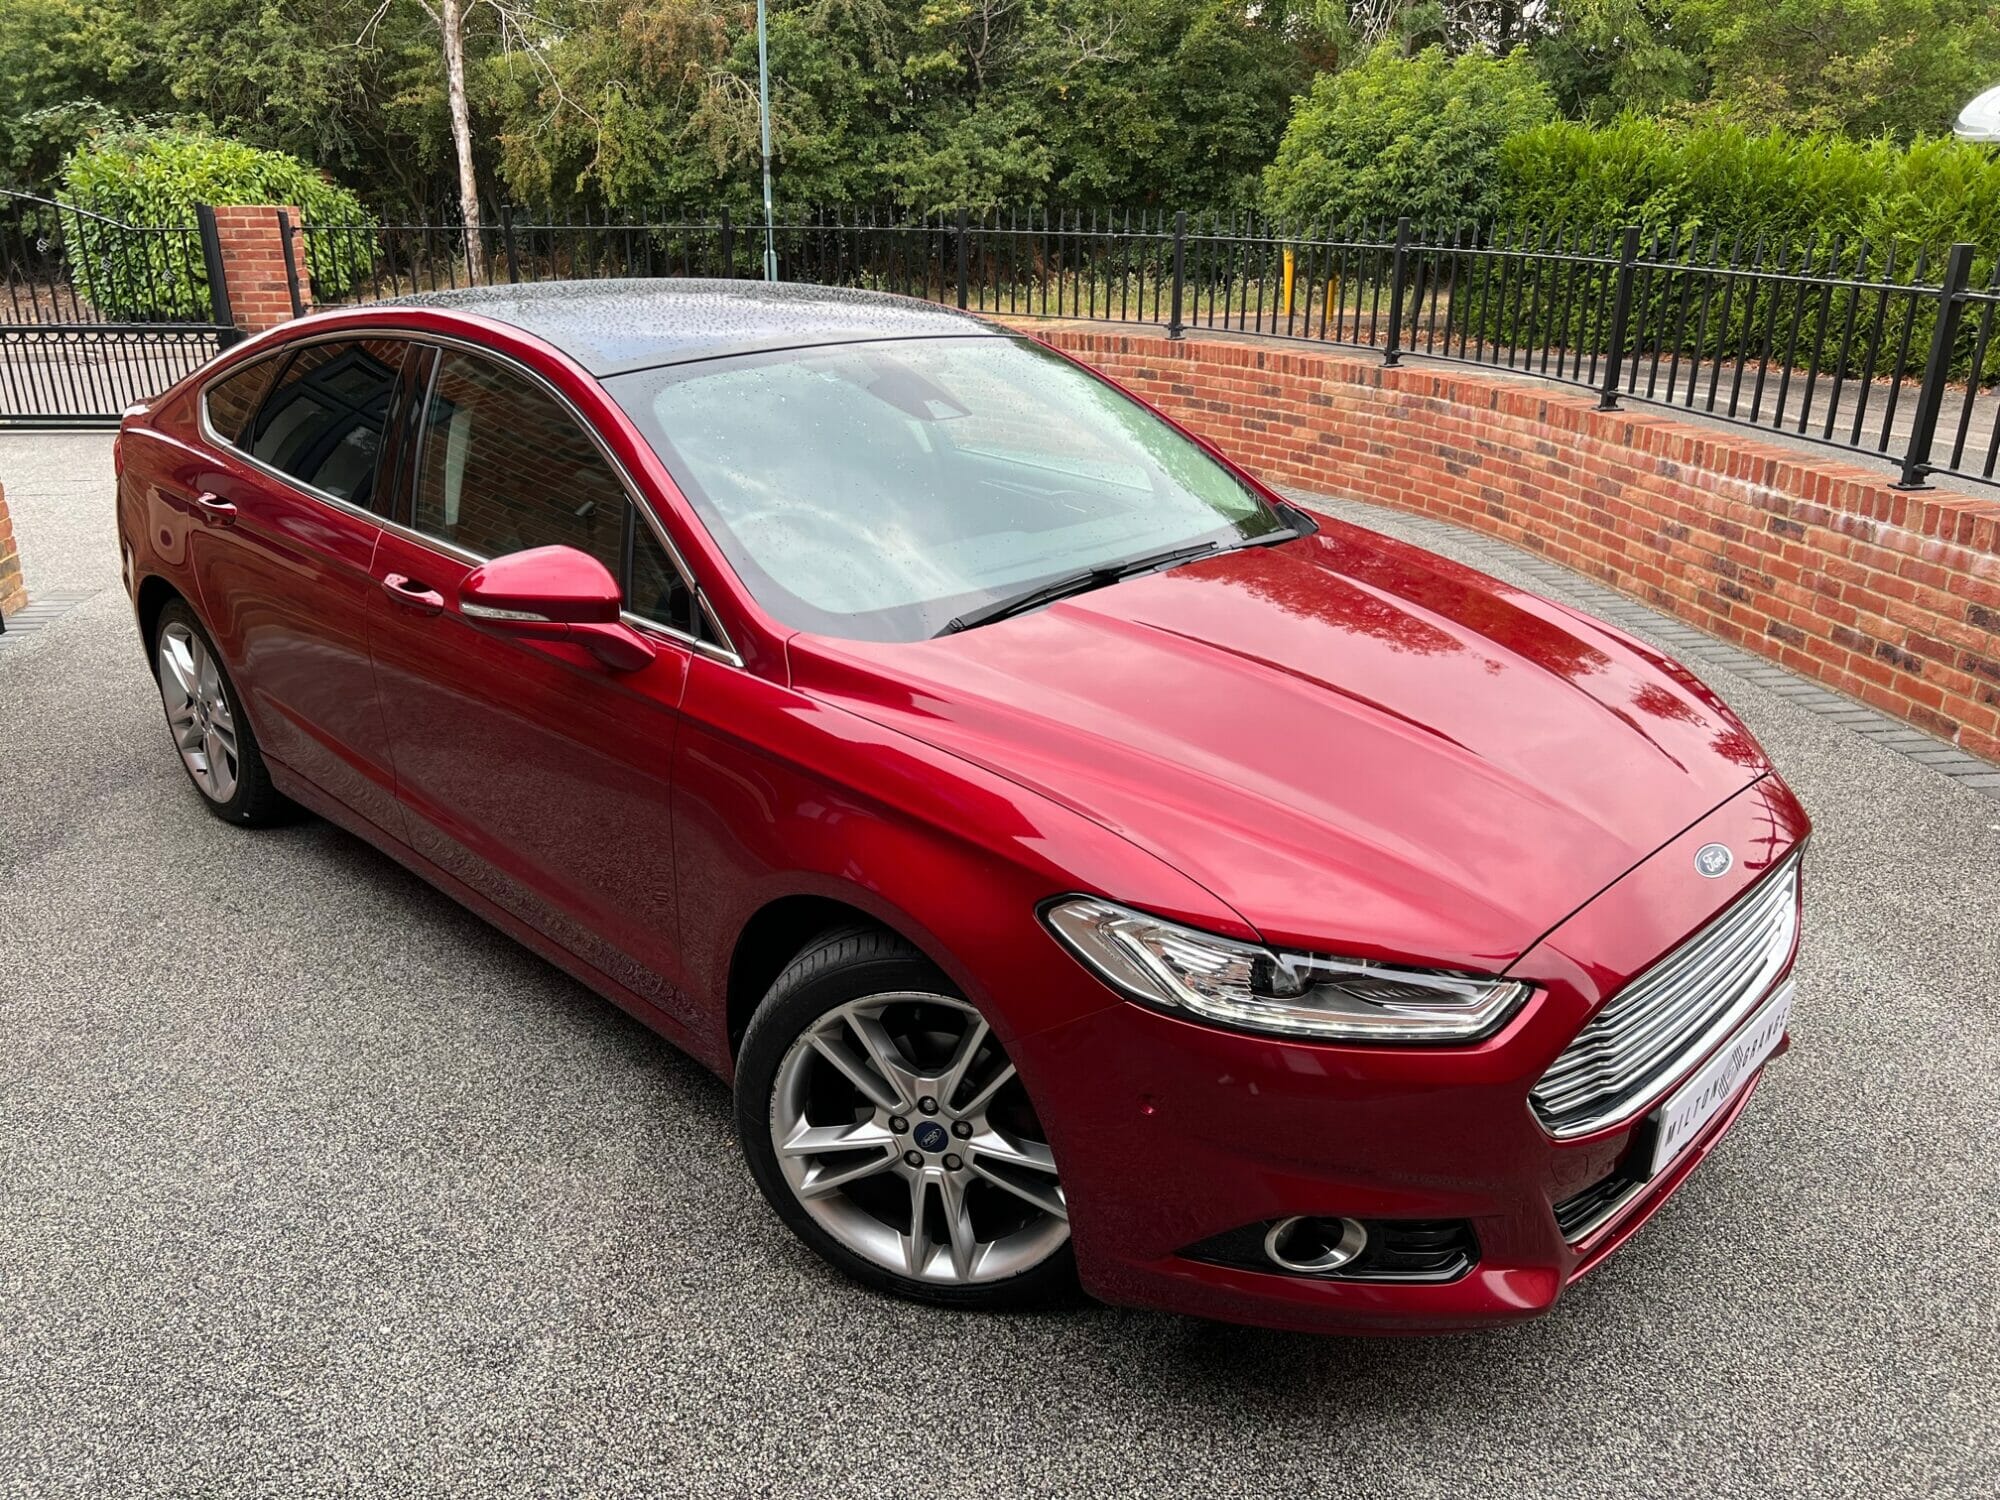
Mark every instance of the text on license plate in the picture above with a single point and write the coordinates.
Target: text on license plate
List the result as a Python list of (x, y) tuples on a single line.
[(1704, 1096)]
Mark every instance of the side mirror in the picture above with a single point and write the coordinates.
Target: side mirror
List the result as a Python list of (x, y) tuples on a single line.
[(554, 594)]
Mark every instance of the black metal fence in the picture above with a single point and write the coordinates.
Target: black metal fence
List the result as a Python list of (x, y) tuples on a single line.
[(96, 313), (1843, 344), (1852, 346)]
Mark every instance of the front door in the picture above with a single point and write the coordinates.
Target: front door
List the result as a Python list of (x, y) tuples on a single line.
[(284, 556), (527, 769)]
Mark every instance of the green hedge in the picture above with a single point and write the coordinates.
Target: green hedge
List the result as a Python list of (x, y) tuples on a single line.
[(1460, 145), (1819, 206), (154, 179), (1787, 189)]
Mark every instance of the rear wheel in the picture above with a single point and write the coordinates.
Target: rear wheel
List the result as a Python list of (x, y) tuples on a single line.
[(885, 1123), (205, 718)]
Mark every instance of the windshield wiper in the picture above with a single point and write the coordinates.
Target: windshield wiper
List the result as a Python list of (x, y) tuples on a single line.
[(1080, 582)]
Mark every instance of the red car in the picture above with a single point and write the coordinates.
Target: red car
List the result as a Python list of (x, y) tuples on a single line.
[(1085, 864)]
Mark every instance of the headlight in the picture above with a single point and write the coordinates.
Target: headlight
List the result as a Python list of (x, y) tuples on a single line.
[(1296, 994)]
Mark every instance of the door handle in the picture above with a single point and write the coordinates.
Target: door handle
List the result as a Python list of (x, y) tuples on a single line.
[(413, 595), (213, 509)]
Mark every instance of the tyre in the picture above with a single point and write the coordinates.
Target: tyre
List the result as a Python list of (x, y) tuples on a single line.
[(210, 732), (885, 1123)]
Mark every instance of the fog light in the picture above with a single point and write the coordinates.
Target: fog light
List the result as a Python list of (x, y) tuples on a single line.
[(1314, 1247), (1330, 1248)]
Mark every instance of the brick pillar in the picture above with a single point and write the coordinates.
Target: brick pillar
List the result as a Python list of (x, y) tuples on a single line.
[(253, 266), (13, 592)]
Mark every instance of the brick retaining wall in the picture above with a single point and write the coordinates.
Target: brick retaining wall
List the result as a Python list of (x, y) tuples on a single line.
[(1892, 597), (13, 592)]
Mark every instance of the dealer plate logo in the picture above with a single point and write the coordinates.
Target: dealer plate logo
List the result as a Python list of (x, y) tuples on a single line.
[(1714, 860)]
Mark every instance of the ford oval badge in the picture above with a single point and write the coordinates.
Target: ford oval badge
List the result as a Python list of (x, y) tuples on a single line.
[(1714, 860)]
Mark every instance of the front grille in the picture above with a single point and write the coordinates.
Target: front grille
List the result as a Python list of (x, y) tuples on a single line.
[(1656, 1030)]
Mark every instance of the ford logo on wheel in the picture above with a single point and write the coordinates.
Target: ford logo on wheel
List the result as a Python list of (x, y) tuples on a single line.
[(1713, 860), (931, 1136)]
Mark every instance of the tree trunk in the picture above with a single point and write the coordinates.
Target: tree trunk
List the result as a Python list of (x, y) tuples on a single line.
[(452, 25)]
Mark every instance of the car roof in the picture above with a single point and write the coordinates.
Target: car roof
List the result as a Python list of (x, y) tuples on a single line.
[(617, 325)]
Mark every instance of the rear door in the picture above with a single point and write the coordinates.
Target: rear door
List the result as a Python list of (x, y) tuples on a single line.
[(284, 553), (527, 769)]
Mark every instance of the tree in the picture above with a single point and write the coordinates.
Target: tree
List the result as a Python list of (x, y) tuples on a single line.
[(1394, 135), (520, 30), (282, 77), (1866, 67), (1603, 58), (63, 69), (934, 105)]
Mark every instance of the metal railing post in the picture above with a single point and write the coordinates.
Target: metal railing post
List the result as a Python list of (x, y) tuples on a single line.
[(1621, 317), (964, 261), (1937, 369), (507, 241), (1399, 279), (228, 333), (1175, 328), (728, 244), (285, 232)]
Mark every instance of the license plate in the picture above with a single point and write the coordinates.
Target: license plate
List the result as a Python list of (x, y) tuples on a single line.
[(1687, 1113)]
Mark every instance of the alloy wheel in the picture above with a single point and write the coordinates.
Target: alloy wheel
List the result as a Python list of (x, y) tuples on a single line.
[(198, 712), (903, 1130)]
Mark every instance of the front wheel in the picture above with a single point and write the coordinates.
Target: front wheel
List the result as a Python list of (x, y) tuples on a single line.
[(885, 1123)]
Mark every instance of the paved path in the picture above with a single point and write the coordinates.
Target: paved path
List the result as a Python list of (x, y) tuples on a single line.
[(310, 1182)]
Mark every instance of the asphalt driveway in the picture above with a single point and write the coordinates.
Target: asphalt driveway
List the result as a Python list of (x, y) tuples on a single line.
[(312, 1182)]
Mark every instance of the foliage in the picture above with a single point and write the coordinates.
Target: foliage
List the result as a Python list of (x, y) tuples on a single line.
[(1601, 57), (930, 105), (940, 104), (1865, 67), (155, 178), (1395, 135), (1724, 184), (294, 78), (55, 64)]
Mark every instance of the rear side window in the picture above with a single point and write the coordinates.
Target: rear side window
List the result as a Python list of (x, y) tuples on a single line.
[(323, 419), (233, 401)]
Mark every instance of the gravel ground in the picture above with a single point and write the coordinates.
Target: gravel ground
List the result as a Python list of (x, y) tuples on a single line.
[(312, 1183)]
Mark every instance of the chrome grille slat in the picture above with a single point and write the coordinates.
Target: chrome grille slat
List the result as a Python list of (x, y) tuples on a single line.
[(1632, 1054), (1616, 1057), (1668, 981), (1657, 1029), (1661, 1019), (1617, 1026), (1627, 1033)]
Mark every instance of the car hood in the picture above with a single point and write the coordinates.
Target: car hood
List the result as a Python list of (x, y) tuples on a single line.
[(1359, 746)]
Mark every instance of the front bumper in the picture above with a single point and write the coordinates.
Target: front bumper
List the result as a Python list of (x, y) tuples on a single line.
[(1171, 1133)]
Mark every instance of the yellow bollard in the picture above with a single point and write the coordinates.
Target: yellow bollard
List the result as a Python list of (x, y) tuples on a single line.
[(1288, 281)]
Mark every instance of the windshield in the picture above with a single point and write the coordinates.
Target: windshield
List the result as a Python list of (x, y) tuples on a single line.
[(879, 491)]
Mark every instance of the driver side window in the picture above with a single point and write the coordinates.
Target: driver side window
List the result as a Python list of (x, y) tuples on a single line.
[(505, 468)]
